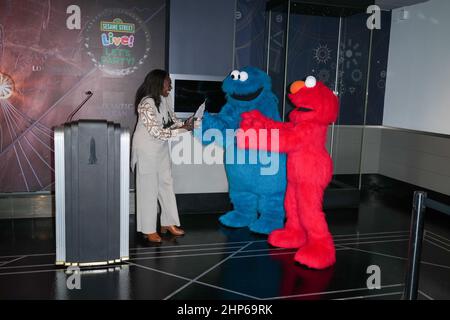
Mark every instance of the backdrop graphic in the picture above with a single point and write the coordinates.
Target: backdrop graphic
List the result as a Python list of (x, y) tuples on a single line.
[(313, 49), (46, 67), (51, 53), (251, 37)]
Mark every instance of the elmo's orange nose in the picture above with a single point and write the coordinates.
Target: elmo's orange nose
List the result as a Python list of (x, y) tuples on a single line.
[(297, 85)]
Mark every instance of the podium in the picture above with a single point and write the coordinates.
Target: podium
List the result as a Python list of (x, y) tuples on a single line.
[(91, 193)]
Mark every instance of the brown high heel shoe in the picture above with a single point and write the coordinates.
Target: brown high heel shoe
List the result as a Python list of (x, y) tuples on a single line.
[(153, 237), (174, 230)]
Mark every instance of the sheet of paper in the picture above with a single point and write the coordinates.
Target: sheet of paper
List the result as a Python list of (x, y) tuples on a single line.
[(199, 113)]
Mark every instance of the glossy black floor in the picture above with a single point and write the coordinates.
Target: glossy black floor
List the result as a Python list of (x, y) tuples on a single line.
[(213, 262)]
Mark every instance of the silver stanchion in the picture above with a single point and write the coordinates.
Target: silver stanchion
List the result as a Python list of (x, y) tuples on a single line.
[(415, 246)]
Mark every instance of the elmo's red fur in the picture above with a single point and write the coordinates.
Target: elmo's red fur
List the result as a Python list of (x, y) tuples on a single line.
[(309, 171)]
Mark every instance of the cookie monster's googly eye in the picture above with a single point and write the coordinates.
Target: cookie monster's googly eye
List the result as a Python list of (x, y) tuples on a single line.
[(310, 82), (234, 74), (243, 76)]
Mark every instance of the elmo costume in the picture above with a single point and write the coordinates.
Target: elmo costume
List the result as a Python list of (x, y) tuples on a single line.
[(309, 169)]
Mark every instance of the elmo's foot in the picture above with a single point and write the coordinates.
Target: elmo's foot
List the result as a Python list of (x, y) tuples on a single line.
[(287, 238), (318, 253)]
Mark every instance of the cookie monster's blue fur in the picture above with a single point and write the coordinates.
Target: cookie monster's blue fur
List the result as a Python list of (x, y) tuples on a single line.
[(250, 191)]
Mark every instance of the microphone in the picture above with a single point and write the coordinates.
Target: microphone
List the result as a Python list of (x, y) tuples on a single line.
[(89, 95)]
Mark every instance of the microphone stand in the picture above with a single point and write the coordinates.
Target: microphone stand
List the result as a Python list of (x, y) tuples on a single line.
[(89, 95)]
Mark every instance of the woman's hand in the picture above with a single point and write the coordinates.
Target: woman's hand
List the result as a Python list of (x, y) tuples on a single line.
[(188, 124)]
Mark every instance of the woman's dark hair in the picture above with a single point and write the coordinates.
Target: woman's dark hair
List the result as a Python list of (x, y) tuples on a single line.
[(152, 87)]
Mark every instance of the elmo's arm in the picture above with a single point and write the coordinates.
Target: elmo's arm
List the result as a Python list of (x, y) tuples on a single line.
[(262, 133), (256, 120)]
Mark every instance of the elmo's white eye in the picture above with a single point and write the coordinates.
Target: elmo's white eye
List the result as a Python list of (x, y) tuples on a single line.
[(243, 76), (234, 74), (310, 82)]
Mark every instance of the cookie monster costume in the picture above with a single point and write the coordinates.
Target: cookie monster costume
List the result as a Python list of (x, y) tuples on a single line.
[(257, 198), (309, 169)]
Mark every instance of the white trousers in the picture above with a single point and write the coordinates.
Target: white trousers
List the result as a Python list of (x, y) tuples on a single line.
[(154, 183)]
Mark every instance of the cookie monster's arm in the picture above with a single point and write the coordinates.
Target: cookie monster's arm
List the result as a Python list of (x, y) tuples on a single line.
[(225, 119)]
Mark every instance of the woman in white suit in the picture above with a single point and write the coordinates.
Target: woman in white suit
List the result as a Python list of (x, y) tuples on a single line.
[(150, 155)]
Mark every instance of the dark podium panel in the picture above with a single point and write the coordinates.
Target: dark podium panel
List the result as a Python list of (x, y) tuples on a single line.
[(92, 193)]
